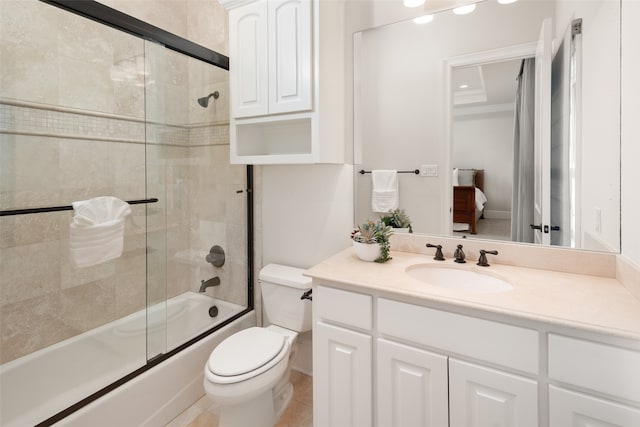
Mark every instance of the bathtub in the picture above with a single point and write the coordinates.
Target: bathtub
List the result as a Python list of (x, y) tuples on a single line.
[(39, 385)]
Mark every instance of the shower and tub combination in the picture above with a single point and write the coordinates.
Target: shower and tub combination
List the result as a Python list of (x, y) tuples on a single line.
[(88, 110)]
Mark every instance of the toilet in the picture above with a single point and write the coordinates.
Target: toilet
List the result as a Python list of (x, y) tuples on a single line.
[(247, 374)]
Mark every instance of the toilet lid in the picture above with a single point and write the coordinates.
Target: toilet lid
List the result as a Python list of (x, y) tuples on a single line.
[(238, 354)]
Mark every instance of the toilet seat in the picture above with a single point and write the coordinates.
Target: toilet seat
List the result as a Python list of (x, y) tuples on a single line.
[(245, 355)]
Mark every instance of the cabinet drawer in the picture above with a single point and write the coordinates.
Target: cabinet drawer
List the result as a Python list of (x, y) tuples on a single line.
[(567, 408), (344, 307), (494, 342), (611, 370)]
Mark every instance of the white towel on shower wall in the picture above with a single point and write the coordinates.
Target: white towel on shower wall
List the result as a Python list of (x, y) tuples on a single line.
[(384, 194), (96, 232)]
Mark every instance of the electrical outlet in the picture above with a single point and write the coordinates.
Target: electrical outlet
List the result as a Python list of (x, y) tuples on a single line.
[(428, 170)]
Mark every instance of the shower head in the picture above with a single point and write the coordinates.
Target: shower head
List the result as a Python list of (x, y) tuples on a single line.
[(204, 101)]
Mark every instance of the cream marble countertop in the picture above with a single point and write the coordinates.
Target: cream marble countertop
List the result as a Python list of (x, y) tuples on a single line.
[(591, 303)]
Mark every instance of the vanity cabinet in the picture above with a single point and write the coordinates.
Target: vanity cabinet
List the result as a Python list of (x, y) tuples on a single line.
[(406, 353), (430, 367), (286, 72), (456, 393)]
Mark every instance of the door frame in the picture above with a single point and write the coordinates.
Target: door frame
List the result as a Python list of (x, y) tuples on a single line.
[(519, 51)]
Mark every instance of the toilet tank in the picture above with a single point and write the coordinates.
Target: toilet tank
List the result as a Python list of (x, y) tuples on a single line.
[(282, 286)]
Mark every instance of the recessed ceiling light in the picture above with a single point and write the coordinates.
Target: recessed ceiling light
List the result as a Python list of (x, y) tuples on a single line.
[(506, 1), (424, 19), (463, 10), (413, 3), (463, 86)]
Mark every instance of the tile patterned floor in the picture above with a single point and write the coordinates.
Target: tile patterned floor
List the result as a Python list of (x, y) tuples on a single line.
[(298, 414)]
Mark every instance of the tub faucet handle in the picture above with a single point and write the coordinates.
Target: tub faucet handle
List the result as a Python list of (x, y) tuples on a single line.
[(482, 261), (459, 255), (439, 256)]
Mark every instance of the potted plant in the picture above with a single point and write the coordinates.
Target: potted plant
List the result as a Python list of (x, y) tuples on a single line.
[(371, 241), (398, 220)]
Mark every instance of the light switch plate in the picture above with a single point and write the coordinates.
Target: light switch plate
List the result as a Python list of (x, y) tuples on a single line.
[(428, 170)]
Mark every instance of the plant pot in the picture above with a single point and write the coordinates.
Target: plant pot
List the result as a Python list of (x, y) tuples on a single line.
[(367, 251)]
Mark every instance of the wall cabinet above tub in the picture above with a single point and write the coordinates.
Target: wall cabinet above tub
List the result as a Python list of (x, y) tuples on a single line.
[(286, 65)]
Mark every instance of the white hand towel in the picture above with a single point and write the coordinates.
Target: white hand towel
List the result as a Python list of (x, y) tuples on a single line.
[(384, 194), (96, 232)]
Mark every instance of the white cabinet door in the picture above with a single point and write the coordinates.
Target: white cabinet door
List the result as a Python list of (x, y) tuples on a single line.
[(481, 397), (412, 387), (567, 408), (289, 56), (341, 377), (248, 60)]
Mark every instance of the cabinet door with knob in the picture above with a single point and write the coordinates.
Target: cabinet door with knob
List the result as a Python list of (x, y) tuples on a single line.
[(249, 79), (289, 56), (480, 397), (342, 378), (412, 387)]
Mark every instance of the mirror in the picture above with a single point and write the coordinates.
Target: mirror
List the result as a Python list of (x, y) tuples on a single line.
[(521, 99)]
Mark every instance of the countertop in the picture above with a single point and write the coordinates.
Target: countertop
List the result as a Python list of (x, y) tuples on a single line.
[(590, 303)]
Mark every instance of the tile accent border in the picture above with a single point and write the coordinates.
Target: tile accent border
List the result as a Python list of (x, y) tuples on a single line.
[(22, 118)]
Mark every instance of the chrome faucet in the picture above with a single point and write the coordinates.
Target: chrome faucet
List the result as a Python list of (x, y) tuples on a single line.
[(214, 281), (482, 261)]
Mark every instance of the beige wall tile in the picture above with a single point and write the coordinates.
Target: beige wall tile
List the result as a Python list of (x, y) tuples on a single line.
[(30, 164), (85, 85), (87, 165), (208, 25), (170, 15), (29, 271), (28, 64), (30, 325), (88, 306)]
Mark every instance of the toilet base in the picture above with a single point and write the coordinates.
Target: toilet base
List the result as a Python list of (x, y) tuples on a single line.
[(257, 412)]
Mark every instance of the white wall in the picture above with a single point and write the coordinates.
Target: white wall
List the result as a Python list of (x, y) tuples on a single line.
[(485, 141), (307, 213), (630, 131)]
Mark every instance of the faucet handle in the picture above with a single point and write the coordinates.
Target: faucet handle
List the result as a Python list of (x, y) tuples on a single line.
[(482, 261), (459, 255), (439, 256)]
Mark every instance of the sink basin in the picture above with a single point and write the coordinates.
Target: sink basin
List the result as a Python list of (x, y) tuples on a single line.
[(458, 279)]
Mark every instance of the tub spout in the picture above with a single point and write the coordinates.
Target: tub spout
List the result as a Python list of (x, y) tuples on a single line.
[(214, 281)]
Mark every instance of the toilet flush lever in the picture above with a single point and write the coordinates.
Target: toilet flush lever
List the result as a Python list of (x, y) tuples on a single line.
[(307, 295)]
